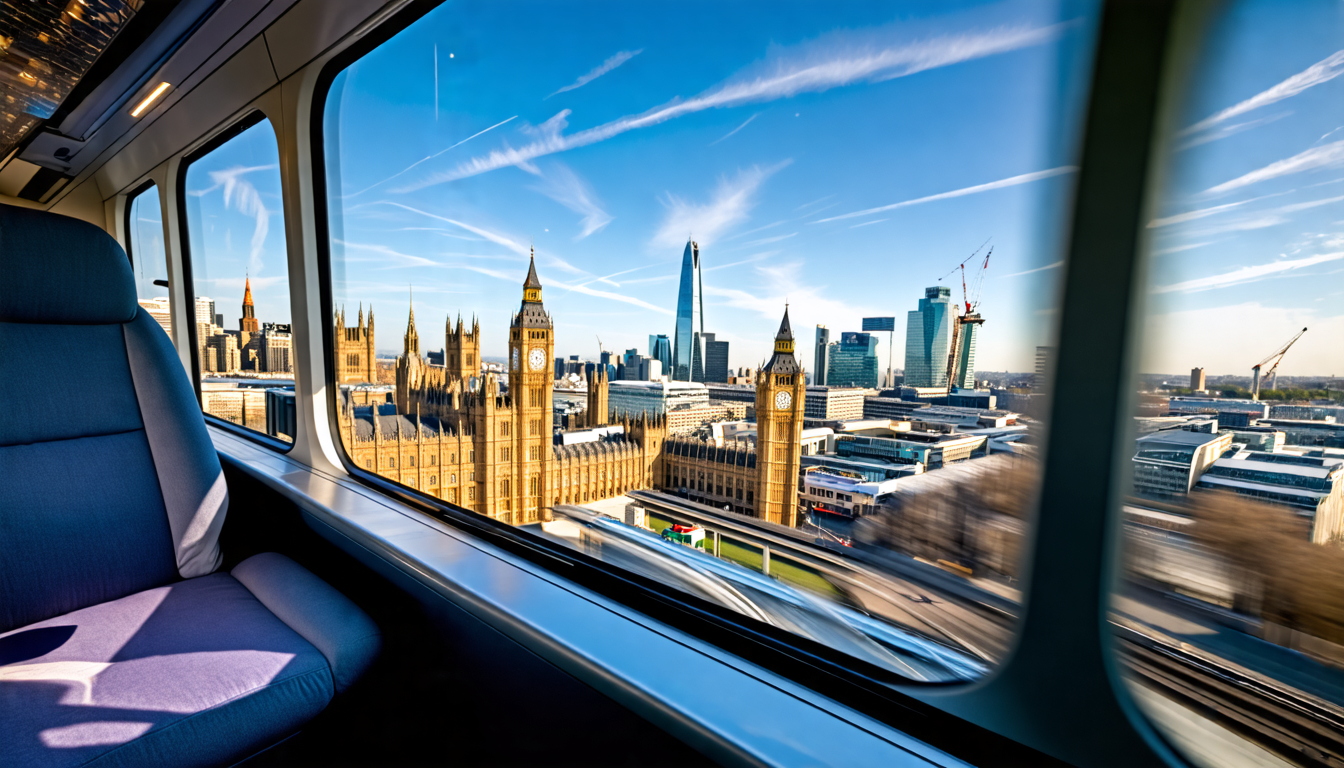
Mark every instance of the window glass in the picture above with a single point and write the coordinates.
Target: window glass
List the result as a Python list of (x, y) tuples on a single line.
[(149, 261), (236, 231), (637, 286), (1230, 617)]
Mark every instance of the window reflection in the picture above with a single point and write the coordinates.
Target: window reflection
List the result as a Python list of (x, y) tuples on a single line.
[(763, 323), (235, 225), (1231, 614)]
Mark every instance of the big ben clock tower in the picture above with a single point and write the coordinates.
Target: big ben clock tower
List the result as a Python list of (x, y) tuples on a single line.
[(780, 390), (531, 350)]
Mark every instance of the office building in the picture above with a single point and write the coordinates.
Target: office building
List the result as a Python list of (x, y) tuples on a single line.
[(1197, 379), (654, 398), (853, 362), (277, 347), (1167, 464), (205, 311), (716, 359), (821, 356), (1182, 405), (688, 362), (1312, 486), (1044, 359), (834, 403), (660, 349), (928, 339), (158, 308)]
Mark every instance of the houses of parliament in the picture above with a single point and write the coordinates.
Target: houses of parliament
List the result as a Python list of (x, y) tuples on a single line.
[(455, 433)]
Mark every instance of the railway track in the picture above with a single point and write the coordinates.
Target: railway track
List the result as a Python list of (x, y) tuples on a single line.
[(1298, 729)]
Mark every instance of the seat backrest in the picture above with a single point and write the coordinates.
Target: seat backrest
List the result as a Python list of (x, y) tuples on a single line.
[(109, 483)]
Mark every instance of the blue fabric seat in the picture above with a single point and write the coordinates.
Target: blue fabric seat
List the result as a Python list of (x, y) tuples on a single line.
[(120, 642)]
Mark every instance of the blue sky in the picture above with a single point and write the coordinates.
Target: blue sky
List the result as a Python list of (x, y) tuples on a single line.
[(763, 130), (1248, 239), (837, 156)]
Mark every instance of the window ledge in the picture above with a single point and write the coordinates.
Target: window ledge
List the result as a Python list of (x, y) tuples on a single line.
[(751, 717)]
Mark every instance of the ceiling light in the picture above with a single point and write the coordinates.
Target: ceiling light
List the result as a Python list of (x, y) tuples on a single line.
[(150, 99), (27, 77)]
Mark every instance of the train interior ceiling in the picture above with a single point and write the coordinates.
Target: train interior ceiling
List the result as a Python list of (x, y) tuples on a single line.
[(307, 542)]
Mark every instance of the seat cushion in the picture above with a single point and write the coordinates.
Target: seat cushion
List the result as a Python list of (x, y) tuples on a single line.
[(195, 673)]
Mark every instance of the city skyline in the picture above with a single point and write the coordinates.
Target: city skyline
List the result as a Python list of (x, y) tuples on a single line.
[(747, 179)]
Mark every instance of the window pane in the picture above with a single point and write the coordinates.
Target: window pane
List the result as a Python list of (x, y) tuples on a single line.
[(643, 298), (1231, 615), (144, 230), (236, 227)]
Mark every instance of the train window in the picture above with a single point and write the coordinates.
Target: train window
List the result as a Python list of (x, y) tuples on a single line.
[(683, 263), (231, 201), (149, 261), (1230, 615)]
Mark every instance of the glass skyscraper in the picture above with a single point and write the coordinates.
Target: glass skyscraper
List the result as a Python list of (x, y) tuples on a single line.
[(928, 339), (970, 332), (660, 349), (823, 356), (716, 359), (853, 362), (687, 351)]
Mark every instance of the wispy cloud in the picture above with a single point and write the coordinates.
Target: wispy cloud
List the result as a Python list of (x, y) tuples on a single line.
[(757, 257), (1247, 274), (829, 62), (1324, 156), (387, 254), (1181, 218), (1311, 204), (566, 188), (493, 237), (1230, 130), (612, 62), (754, 231), (735, 130), (818, 201), (242, 196), (1320, 72), (427, 159), (767, 240), (1012, 181), (869, 223), (731, 201), (1179, 248), (1056, 265)]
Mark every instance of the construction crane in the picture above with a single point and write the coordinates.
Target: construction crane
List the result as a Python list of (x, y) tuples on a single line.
[(1277, 357), (969, 316)]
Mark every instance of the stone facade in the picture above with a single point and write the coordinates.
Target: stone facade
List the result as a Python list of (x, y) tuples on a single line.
[(354, 350), (453, 432)]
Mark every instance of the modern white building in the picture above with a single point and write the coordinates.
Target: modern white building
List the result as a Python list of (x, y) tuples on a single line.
[(655, 397)]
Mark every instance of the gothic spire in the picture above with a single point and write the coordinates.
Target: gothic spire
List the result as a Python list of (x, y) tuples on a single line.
[(783, 361), (247, 291), (532, 280)]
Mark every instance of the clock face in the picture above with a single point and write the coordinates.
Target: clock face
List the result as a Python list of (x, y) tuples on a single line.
[(782, 400), (536, 358), (515, 358)]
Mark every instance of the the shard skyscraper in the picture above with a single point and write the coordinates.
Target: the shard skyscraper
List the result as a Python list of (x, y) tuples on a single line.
[(687, 350)]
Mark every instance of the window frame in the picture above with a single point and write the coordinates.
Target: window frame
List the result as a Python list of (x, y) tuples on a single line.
[(251, 118), (128, 225), (1007, 715)]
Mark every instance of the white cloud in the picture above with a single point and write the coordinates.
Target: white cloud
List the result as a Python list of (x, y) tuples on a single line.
[(735, 130), (732, 199), (829, 62), (1231, 130), (814, 202), (387, 254), (1247, 274), (427, 159), (1320, 72), (241, 195), (612, 62), (1324, 156), (767, 240), (1056, 265), (1310, 204), (754, 231), (1179, 248), (1012, 181), (493, 237), (867, 223), (1181, 218), (566, 188)]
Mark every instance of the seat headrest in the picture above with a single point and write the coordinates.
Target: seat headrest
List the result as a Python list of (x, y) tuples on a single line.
[(59, 270)]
